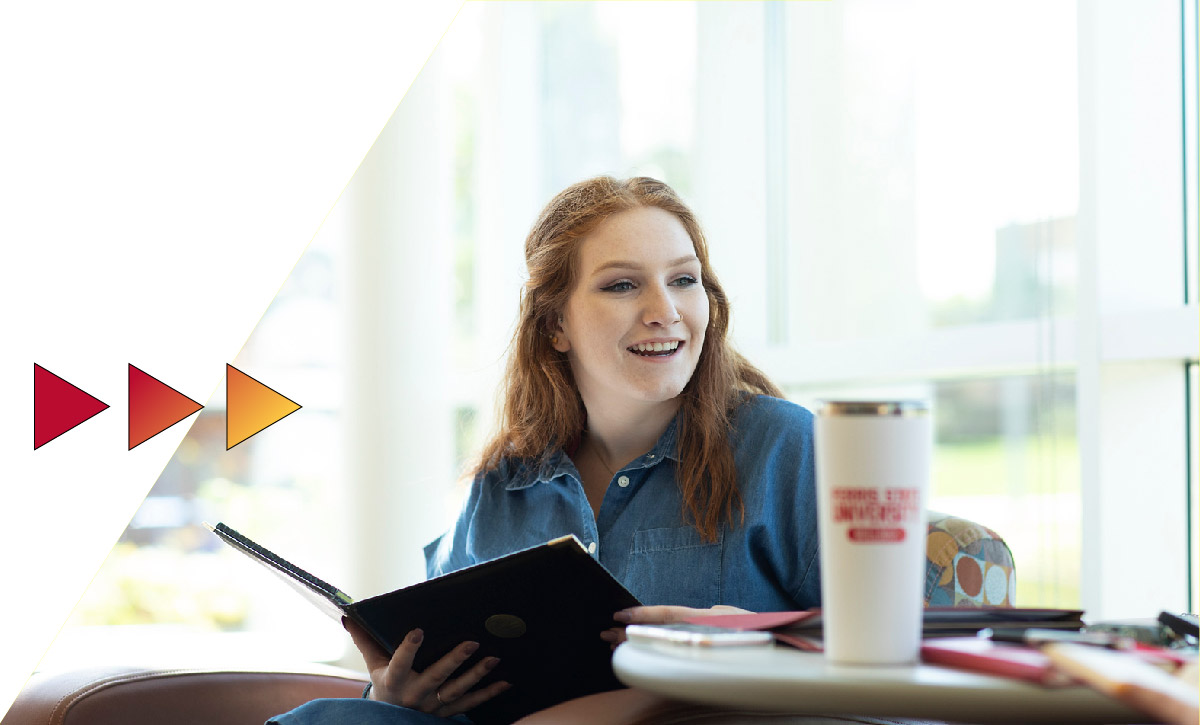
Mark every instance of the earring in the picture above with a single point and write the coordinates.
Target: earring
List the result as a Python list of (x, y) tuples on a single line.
[(554, 338)]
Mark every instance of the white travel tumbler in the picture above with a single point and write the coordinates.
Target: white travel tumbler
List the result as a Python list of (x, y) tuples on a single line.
[(872, 484)]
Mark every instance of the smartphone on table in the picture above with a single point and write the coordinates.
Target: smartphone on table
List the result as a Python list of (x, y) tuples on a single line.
[(697, 635)]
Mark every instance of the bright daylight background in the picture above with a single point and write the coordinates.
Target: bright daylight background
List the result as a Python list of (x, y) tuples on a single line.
[(978, 203)]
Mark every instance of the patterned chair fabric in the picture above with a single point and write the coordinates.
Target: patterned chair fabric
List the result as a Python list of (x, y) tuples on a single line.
[(967, 565)]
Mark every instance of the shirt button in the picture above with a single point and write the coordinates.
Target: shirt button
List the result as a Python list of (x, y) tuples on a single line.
[(650, 456), (592, 548), (623, 481)]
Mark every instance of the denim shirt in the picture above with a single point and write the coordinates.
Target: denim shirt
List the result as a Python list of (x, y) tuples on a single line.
[(769, 562)]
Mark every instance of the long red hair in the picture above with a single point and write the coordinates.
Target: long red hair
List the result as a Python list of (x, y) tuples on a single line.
[(542, 410)]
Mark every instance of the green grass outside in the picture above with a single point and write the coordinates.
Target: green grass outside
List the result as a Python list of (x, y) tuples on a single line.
[(995, 468)]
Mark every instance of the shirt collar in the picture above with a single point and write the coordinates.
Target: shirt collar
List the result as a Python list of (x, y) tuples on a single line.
[(559, 463)]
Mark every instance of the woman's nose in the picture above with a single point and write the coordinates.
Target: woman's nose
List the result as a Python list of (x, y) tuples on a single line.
[(660, 308)]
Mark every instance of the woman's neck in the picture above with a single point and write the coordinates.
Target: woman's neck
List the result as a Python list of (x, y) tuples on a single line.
[(620, 436)]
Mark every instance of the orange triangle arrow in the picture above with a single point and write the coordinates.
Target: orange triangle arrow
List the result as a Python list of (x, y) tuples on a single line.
[(251, 406), (154, 406)]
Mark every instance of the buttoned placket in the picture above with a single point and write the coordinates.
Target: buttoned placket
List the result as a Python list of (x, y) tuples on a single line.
[(627, 481)]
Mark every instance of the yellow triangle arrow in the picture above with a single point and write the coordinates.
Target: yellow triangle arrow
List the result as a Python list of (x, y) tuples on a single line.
[(250, 406)]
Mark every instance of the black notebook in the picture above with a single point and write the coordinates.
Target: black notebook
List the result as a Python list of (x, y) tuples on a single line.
[(540, 610)]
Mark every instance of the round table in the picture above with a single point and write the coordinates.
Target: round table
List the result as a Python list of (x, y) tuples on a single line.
[(783, 679)]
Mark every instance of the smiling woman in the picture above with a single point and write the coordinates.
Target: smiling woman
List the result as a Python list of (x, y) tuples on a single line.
[(613, 265), (631, 423)]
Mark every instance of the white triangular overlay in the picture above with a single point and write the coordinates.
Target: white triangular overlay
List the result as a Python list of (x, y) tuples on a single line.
[(162, 168)]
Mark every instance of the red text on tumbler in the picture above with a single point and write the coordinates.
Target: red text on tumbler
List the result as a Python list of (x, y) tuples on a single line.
[(876, 515)]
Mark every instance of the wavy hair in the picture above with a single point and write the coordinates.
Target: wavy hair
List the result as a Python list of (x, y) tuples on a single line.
[(542, 409)]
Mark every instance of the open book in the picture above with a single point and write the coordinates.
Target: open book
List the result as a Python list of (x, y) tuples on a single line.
[(540, 610)]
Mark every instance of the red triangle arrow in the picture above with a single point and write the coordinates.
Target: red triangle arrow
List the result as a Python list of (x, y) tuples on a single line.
[(154, 406), (58, 406)]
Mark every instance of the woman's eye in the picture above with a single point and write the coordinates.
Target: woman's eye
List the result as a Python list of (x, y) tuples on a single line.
[(686, 280), (622, 286)]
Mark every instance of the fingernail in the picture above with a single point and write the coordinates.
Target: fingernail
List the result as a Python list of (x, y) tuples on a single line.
[(416, 636), (470, 647), (623, 616), (608, 636), (491, 662)]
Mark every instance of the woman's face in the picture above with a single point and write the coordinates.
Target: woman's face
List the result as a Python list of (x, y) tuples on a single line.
[(634, 324)]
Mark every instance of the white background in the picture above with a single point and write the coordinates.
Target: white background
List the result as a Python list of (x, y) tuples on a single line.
[(162, 167)]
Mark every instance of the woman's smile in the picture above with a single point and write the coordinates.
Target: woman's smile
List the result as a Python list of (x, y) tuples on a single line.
[(656, 350)]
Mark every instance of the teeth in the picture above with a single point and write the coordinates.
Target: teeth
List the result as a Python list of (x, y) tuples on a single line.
[(656, 346)]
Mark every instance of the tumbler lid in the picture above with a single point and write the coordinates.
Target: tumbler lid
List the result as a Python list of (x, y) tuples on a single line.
[(888, 408)]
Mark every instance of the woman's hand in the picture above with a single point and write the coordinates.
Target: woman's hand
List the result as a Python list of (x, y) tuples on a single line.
[(393, 680), (659, 615)]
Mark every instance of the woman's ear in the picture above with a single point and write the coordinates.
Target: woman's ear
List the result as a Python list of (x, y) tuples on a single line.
[(558, 337)]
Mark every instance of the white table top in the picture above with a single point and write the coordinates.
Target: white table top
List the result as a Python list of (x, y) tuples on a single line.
[(782, 679)]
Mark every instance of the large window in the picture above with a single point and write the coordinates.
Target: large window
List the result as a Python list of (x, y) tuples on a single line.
[(931, 236), (989, 205)]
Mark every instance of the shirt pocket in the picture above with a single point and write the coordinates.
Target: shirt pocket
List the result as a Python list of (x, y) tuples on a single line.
[(675, 566)]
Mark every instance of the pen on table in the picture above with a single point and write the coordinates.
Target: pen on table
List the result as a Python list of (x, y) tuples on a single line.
[(1036, 637), (1184, 625)]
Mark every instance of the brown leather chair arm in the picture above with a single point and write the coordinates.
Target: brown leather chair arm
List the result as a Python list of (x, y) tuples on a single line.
[(131, 696)]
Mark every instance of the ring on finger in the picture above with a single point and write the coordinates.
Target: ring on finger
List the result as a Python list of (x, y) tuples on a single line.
[(438, 694)]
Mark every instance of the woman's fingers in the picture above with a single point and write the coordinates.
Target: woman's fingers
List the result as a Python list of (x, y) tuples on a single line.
[(395, 681), (660, 614), (614, 636), (470, 700), (664, 614), (399, 669), (452, 690), (727, 609), (431, 680), (388, 674)]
